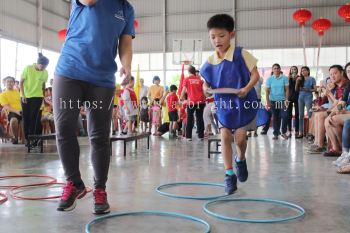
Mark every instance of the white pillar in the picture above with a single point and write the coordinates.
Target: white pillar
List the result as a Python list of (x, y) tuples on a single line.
[(40, 25), (164, 42)]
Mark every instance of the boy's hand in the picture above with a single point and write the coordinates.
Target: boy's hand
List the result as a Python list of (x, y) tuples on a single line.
[(242, 92), (268, 105)]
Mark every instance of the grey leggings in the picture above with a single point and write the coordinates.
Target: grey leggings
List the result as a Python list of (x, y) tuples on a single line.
[(68, 96)]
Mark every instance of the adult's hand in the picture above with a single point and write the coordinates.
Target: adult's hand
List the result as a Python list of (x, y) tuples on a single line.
[(24, 100), (126, 72)]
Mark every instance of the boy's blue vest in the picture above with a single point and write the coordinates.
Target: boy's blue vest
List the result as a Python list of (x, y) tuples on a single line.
[(233, 112)]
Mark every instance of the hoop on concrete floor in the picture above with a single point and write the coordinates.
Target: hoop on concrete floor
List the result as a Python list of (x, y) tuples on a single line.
[(159, 188), (275, 220), (142, 213), (4, 198), (15, 195), (53, 180)]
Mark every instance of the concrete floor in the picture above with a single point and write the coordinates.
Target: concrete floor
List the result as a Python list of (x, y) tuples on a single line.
[(278, 169)]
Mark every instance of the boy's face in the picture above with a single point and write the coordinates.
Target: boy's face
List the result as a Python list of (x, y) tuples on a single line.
[(220, 39)]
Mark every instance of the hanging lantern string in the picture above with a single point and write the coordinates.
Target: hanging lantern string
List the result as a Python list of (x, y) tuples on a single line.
[(301, 16)]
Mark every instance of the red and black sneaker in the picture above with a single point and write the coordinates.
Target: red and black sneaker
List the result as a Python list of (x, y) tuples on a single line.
[(69, 197), (101, 205)]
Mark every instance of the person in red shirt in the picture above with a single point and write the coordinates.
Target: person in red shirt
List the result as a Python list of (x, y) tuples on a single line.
[(193, 86), (172, 102)]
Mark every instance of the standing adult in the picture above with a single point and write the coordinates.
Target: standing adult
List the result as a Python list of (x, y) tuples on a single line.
[(144, 89), (85, 72), (277, 99), (32, 88), (193, 86), (293, 101), (305, 85)]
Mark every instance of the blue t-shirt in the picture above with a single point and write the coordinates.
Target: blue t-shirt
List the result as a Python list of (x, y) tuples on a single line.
[(90, 49), (276, 86), (309, 83)]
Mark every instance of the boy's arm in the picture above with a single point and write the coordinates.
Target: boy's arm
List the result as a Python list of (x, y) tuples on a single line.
[(206, 87), (254, 78)]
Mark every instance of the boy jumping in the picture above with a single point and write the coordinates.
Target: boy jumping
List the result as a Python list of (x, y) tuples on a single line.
[(231, 67)]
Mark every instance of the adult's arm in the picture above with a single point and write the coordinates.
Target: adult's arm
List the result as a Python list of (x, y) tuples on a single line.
[(125, 54), (267, 95), (184, 91)]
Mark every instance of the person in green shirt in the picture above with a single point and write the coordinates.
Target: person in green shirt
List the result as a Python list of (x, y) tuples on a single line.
[(32, 86)]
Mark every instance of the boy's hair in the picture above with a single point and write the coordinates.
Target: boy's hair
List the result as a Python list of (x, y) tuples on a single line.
[(173, 88), (155, 78), (192, 70), (145, 99), (338, 67), (222, 21), (156, 100)]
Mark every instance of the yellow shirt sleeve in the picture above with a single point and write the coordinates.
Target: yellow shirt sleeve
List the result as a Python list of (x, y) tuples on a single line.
[(2, 99), (249, 59)]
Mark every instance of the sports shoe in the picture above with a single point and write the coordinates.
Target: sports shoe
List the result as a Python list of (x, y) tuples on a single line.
[(242, 170), (230, 184), (69, 196), (101, 205), (344, 169), (284, 136), (341, 158)]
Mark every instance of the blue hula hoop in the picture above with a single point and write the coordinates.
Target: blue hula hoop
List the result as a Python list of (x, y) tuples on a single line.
[(159, 188), (142, 213), (275, 220)]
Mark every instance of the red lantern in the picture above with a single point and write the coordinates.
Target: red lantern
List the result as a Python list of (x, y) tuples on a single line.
[(321, 25), (302, 16), (136, 24), (344, 12), (62, 34)]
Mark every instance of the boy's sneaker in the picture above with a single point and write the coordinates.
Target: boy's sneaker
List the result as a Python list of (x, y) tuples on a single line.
[(242, 170), (230, 184), (101, 205), (69, 196)]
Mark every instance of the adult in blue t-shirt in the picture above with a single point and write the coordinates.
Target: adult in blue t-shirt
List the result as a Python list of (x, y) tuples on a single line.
[(305, 85), (277, 93), (85, 72)]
